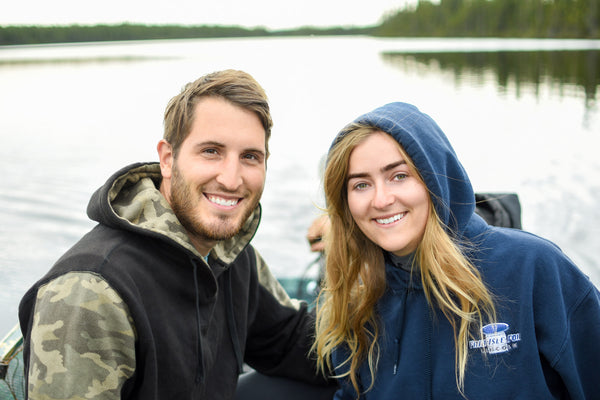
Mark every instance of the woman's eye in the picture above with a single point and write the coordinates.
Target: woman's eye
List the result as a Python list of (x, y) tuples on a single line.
[(360, 186), (401, 176)]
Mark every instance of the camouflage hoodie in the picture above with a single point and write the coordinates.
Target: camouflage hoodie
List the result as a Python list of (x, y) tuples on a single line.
[(133, 311)]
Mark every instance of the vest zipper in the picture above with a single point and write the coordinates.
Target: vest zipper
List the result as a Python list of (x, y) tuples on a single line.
[(239, 356), (200, 368)]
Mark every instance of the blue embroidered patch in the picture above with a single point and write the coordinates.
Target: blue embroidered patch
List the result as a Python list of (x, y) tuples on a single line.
[(496, 339)]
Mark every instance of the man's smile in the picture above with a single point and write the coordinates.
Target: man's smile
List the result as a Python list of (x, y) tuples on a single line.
[(222, 201)]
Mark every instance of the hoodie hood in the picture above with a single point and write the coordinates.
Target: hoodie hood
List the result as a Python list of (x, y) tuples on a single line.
[(432, 154), (130, 200)]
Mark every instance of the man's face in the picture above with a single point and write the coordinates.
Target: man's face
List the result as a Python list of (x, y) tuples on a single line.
[(217, 179)]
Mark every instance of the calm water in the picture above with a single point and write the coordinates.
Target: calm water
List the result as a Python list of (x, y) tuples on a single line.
[(521, 119)]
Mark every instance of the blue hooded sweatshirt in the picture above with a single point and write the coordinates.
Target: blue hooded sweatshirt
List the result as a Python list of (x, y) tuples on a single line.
[(546, 342)]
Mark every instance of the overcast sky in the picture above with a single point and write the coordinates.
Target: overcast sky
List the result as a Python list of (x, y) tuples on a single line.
[(273, 14)]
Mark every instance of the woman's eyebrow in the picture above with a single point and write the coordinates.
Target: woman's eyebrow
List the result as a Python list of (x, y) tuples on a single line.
[(383, 169), (393, 165)]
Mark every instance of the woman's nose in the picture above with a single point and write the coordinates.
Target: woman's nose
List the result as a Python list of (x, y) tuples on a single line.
[(382, 196)]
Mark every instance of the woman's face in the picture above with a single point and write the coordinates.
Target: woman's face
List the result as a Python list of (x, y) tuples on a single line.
[(387, 200)]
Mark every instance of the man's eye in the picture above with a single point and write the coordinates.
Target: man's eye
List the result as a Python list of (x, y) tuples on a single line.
[(252, 157)]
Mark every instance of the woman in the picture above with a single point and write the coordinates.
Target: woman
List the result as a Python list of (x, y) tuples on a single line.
[(422, 299)]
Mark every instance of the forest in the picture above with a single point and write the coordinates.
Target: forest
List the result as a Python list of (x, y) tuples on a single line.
[(443, 18), (21, 35), (496, 18)]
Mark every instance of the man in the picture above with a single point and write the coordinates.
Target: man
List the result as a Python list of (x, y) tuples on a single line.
[(165, 298)]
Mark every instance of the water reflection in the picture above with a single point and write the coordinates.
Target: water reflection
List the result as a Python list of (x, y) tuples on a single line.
[(98, 107), (529, 71), (76, 60)]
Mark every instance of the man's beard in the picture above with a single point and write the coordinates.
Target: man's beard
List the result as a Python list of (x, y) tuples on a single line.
[(182, 203)]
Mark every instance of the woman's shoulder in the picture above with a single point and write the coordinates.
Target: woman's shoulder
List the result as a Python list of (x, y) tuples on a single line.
[(516, 243), (504, 239), (516, 255)]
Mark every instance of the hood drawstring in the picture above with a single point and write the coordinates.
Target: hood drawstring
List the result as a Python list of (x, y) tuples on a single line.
[(239, 357), (429, 367), (200, 371), (399, 330)]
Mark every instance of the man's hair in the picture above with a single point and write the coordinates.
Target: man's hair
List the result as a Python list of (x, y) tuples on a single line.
[(237, 87)]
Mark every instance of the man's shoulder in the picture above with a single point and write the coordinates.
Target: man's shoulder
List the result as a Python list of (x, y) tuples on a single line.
[(104, 247), (95, 254)]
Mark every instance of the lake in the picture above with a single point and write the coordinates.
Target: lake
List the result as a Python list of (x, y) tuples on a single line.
[(523, 116)]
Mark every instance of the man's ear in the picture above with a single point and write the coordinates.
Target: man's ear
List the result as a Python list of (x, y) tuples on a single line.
[(165, 155)]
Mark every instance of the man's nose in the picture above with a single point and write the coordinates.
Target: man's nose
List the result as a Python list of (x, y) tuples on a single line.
[(230, 176)]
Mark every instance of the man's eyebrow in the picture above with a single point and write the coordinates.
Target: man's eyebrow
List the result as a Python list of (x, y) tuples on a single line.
[(255, 150), (209, 143), (384, 169), (222, 145)]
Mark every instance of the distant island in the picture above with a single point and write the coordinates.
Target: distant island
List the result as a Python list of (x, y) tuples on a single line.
[(446, 18)]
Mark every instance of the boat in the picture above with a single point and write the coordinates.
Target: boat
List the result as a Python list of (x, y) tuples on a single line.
[(12, 381), (500, 209)]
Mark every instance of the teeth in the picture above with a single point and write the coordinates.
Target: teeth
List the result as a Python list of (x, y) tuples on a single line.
[(222, 202), (390, 219)]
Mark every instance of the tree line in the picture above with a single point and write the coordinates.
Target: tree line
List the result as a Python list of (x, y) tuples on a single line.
[(496, 18), (20, 35), (445, 18)]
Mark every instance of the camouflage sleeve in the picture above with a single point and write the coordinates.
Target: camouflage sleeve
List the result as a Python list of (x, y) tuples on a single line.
[(267, 280), (82, 340)]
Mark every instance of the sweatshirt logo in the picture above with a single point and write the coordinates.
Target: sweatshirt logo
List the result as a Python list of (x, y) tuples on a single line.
[(496, 339)]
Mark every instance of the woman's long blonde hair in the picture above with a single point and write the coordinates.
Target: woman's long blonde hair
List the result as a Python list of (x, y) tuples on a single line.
[(355, 278)]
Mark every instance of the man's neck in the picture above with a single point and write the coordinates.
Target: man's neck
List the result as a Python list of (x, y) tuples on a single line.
[(202, 245)]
